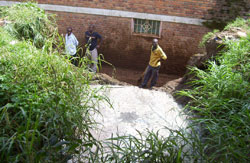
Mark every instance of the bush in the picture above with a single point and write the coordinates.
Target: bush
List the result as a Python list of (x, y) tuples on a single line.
[(27, 21), (220, 100), (45, 102)]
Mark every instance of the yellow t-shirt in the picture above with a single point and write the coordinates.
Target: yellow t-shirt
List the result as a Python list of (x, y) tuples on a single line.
[(155, 57)]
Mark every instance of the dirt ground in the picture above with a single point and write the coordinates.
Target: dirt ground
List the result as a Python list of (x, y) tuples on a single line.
[(131, 76)]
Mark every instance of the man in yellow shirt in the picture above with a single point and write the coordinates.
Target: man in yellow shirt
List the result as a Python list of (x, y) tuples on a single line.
[(156, 56)]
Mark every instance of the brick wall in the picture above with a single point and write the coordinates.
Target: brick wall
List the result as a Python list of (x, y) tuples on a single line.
[(205, 9), (164, 7), (122, 49)]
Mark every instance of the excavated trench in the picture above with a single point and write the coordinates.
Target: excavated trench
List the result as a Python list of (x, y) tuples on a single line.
[(132, 76)]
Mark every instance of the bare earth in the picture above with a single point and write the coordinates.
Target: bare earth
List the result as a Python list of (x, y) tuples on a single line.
[(131, 76)]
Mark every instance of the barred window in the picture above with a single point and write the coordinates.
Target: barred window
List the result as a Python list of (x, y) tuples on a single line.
[(149, 27)]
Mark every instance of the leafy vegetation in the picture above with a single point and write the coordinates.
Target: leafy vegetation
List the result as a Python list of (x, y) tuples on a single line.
[(231, 8), (239, 22), (45, 102), (176, 147), (220, 100), (30, 22)]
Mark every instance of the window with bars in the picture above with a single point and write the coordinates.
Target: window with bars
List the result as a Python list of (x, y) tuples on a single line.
[(149, 27)]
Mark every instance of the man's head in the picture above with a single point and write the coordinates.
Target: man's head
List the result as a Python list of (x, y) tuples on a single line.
[(91, 28), (155, 42), (69, 30)]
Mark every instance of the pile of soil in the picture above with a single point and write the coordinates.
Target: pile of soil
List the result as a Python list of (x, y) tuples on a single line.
[(214, 45)]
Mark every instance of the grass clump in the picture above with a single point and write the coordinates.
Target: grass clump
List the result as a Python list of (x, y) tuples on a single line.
[(45, 102), (151, 147), (220, 100), (239, 22), (28, 21), (2, 10)]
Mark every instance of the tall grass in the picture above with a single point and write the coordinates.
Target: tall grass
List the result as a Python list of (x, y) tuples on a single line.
[(151, 147), (220, 99), (45, 102), (30, 22)]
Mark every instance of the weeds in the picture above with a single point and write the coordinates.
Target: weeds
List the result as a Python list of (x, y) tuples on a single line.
[(30, 22), (220, 99), (239, 22), (150, 148), (45, 102)]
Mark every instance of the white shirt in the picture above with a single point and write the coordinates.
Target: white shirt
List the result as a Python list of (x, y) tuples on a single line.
[(71, 44)]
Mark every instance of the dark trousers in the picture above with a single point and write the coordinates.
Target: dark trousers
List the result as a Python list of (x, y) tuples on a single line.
[(73, 59), (151, 71)]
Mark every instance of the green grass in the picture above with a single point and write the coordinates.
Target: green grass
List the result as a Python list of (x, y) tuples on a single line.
[(45, 102), (239, 22), (30, 22), (152, 147), (220, 101)]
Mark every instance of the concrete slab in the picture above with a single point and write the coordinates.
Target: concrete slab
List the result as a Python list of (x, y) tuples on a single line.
[(136, 109)]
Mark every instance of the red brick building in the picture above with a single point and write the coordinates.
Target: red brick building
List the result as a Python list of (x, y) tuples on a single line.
[(128, 26)]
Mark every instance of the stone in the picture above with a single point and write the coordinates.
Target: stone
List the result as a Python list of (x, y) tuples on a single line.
[(241, 34)]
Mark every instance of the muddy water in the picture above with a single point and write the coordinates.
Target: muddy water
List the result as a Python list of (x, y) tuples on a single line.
[(134, 109)]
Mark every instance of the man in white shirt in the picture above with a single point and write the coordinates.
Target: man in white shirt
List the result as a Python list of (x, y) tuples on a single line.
[(71, 43)]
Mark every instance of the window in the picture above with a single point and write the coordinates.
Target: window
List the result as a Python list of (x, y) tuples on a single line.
[(146, 27)]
